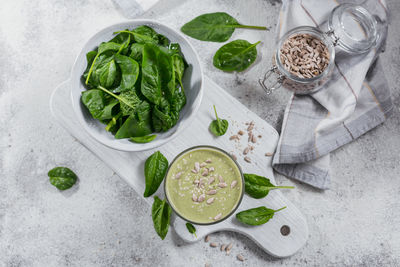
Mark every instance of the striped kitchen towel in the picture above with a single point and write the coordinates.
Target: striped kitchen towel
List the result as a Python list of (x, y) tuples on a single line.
[(353, 102), (134, 8)]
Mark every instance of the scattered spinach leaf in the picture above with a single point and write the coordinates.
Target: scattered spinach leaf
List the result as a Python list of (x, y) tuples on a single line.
[(218, 127), (214, 27), (161, 214), (258, 187), (143, 139), (256, 216), (155, 169), (237, 55), (62, 177), (191, 229)]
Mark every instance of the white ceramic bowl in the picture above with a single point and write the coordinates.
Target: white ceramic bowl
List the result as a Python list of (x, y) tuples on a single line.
[(192, 82)]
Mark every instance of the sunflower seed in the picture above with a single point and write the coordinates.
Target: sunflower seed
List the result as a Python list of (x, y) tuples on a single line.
[(219, 215), (208, 161), (194, 198), (223, 246), (246, 150), (205, 172), (202, 165), (221, 180), (201, 198), (197, 166), (212, 192), (240, 132), (229, 247), (211, 180), (178, 175), (247, 159), (233, 156), (207, 238), (213, 244), (234, 137), (233, 184), (269, 154), (222, 185), (194, 171), (240, 257), (254, 139), (210, 200)]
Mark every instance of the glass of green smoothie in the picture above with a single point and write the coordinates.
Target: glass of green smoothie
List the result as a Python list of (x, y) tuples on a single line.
[(204, 185)]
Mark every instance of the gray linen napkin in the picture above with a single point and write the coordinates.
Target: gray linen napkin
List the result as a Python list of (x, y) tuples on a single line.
[(356, 100)]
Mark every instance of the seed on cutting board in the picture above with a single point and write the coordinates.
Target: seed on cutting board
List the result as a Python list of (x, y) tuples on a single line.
[(207, 265), (178, 175), (222, 185), (233, 156), (207, 238), (223, 246), (250, 136), (213, 244), (247, 159), (240, 257), (269, 154), (212, 192), (234, 137), (246, 150), (229, 247), (250, 128), (240, 132), (218, 216), (233, 184), (210, 200), (253, 139)]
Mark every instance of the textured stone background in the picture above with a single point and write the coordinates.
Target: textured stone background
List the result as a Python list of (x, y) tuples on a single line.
[(103, 222)]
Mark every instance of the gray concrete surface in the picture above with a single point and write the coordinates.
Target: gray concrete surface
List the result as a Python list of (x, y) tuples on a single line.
[(101, 221)]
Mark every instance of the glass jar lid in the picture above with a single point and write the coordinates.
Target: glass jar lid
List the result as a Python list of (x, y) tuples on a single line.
[(353, 28)]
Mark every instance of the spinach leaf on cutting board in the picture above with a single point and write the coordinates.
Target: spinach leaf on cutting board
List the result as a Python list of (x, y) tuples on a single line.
[(161, 214), (218, 127), (155, 169), (62, 177), (256, 216), (237, 55), (214, 27), (258, 187)]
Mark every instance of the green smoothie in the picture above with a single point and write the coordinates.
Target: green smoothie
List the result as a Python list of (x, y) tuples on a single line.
[(204, 185)]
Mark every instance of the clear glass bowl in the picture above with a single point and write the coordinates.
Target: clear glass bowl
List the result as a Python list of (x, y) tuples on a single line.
[(218, 150)]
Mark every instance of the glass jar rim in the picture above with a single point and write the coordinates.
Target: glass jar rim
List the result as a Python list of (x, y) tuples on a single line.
[(316, 33), (219, 150)]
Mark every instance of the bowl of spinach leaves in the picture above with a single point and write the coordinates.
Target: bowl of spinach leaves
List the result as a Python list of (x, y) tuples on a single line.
[(136, 85)]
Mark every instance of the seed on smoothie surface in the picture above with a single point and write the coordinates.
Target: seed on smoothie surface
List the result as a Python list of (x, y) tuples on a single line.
[(210, 200), (212, 192), (197, 166), (221, 180), (178, 175), (218, 216), (201, 198), (203, 164), (211, 169), (208, 161), (233, 184), (222, 185), (211, 180)]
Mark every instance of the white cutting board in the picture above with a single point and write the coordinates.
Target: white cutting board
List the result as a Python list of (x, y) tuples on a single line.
[(130, 166)]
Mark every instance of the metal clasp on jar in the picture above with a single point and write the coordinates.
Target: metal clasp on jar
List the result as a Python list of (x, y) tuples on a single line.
[(276, 84)]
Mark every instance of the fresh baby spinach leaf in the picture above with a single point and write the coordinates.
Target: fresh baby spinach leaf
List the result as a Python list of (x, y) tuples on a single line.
[(256, 216), (143, 139), (258, 187), (237, 55), (161, 214), (129, 73), (108, 74), (191, 229), (214, 27), (98, 105), (218, 127), (155, 168), (62, 177)]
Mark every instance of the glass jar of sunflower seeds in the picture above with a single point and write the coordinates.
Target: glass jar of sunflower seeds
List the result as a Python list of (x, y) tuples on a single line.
[(305, 56)]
